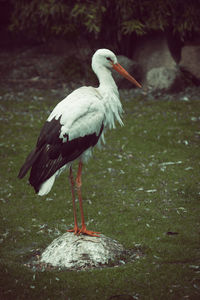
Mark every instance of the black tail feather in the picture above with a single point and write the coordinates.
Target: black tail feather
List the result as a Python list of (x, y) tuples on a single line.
[(32, 157)]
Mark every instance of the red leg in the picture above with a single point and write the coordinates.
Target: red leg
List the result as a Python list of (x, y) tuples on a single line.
[(75, 229), (78, 184)]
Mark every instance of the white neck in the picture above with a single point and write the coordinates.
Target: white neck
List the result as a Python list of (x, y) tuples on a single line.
[(110, 96), (106, 80)]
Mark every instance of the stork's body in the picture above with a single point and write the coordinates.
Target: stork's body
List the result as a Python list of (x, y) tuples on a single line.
[(74, 127)]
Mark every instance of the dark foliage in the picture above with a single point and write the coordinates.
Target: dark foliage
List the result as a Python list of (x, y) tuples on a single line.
[(116, 22)]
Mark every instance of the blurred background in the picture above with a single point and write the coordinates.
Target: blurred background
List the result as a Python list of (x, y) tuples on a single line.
[(50, 42)]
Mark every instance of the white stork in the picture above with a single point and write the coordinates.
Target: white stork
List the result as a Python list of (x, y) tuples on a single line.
[(73, 128)]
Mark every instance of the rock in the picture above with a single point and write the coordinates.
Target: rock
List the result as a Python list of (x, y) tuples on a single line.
[(161, 72), (80, 252), (158, 67), (190, 57), (162, 78), (153, 52), (132, 67)]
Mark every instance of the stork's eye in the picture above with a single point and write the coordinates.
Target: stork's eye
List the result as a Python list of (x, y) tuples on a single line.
[(108, 58)]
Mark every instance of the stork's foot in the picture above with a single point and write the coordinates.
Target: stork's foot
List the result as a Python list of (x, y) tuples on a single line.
[(76, 230), (83, 230)]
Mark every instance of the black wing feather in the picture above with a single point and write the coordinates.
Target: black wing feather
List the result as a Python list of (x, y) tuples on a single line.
[(51, 153), (49, 135), (30, 160)]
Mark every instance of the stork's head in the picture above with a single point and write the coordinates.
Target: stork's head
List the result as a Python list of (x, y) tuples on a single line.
[(106, 58)]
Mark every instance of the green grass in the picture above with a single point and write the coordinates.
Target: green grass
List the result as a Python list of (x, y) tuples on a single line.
[(143, 184)]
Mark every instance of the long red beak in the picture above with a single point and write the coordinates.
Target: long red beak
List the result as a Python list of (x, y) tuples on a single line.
[(124, 73)]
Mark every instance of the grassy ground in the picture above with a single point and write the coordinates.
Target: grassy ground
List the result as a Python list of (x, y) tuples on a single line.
[(142, 189)]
